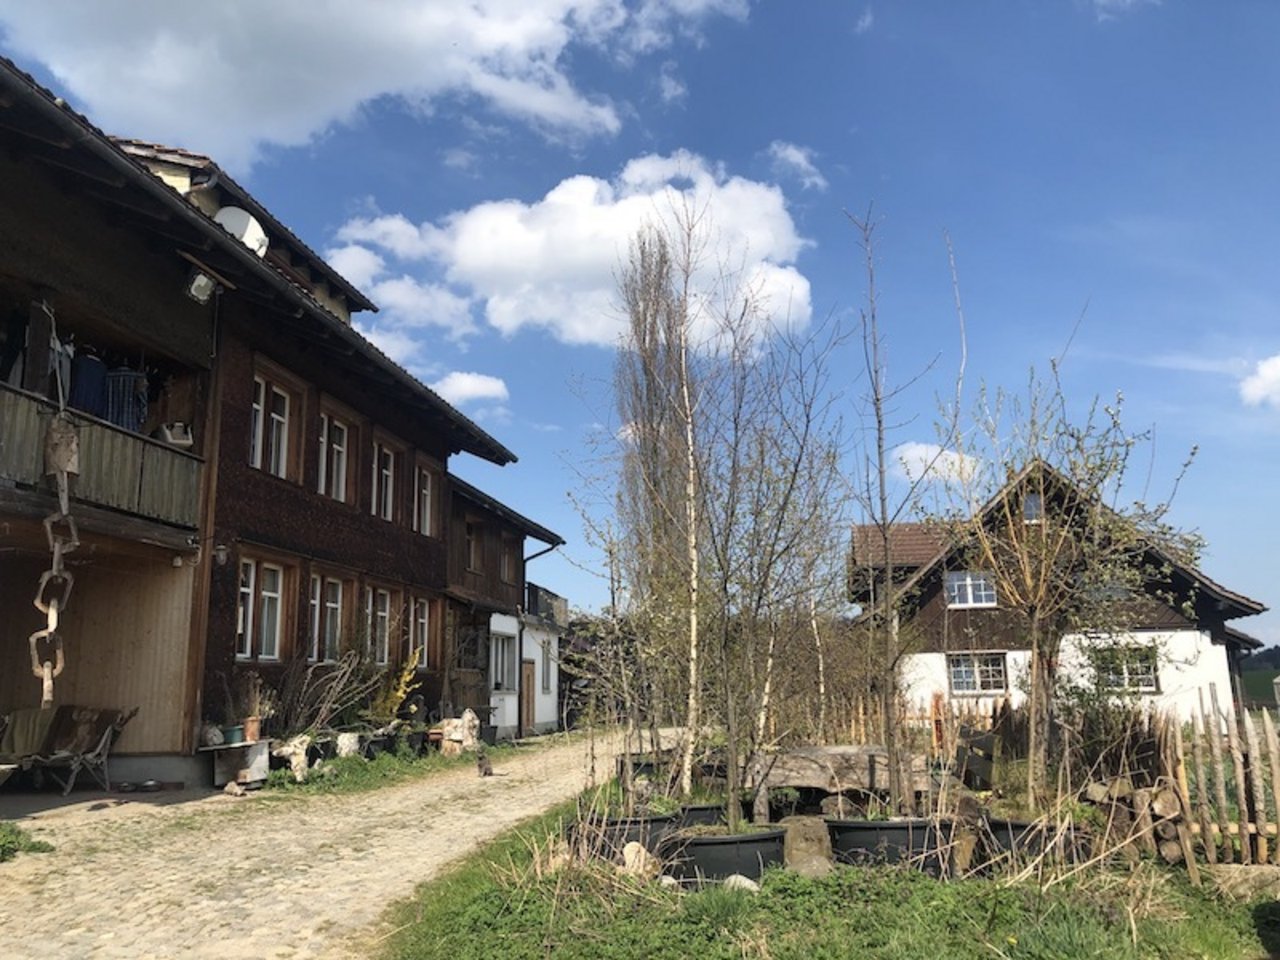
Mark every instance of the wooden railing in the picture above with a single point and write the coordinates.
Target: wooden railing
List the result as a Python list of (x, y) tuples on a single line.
[(118, 469)]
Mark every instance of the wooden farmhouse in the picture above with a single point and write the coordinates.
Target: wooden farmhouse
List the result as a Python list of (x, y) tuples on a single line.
[(256, 481), (965, 646)]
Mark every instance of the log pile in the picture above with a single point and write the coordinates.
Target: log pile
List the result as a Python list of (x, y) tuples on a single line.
[(1141, 820)]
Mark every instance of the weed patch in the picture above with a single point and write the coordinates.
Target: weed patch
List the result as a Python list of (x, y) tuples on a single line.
[(14, 840)]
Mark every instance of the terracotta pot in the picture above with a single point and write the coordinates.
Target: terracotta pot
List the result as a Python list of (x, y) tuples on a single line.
[(252, 729)]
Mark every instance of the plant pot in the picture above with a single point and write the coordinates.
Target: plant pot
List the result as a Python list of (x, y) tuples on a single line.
[(325, 749), (691, 859), (252, 729), (233, 733), (702, 814), (489, 734), (921, 843), (642, 766), (1012, 842), (417, 742), (606, 837), (378, 745)]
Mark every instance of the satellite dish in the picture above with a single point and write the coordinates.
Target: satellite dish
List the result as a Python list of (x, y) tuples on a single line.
[(241, 225)]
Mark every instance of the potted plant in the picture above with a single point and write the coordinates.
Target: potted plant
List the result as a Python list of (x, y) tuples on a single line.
[(921, 842)]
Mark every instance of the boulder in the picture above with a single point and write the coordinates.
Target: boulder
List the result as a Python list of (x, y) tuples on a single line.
[(807, 839), (1245, 882), (737, 881), (348, 745), (639, 862)]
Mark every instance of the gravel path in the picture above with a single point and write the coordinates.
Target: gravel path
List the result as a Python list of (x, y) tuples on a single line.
[(258, 877)]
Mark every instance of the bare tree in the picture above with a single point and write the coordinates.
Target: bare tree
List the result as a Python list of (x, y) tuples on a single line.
[(1065, 552)]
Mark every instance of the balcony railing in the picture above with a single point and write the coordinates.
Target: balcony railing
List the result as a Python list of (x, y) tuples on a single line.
[(118, 469)]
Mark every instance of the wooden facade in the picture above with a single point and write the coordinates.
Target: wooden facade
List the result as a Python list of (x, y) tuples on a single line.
[(99, 254)]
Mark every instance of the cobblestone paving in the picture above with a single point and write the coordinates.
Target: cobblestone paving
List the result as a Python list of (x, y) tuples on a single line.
[(256, 877)]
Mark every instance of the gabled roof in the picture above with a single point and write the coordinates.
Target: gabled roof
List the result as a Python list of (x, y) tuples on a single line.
[(914, 538), (68, 142), (522, 523), (215, 174)]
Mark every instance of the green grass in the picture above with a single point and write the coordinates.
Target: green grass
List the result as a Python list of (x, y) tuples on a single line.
[(498, 904), (14, 840), (357, 775)]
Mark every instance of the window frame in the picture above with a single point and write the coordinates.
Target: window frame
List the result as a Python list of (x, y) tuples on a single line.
[(253, 601), (424, 502), (334, 479), (276, 453), (508, 562), (473, 531), (420, 630), (325, 618), (548, 665), (972, 581), (983, 686), (503, 669), (1127, 657), (378, 644), (382, 499)]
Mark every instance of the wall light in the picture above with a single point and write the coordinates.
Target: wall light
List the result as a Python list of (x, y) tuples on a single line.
[(221, 552), (200, 286)]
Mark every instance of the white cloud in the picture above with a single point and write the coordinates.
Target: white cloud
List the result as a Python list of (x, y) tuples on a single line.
[(357, 264), (461, 387), (913, 460), (1110, 9), (234, 76), (552, 263), (457, 158), (865, 22), (792, 160), (1263, 385), (670, 86)]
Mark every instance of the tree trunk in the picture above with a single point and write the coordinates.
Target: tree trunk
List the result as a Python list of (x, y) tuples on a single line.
[(693, 713), (1040, 716)]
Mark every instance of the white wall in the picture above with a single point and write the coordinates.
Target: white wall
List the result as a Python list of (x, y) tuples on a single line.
[(505, 703), (1187, 661), (546, 707)]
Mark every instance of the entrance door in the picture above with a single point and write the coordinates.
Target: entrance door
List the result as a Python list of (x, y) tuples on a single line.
[(528, 676)]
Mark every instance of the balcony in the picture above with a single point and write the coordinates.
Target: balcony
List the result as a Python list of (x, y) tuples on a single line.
[(122, 471)]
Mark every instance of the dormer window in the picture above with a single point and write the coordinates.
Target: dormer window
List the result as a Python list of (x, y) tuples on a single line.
[(970, 588), (1032, 508)]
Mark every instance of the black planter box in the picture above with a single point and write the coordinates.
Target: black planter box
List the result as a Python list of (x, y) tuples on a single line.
[(921, 843), (1012, 842), (607, 836), (702, 814), (692, 859)]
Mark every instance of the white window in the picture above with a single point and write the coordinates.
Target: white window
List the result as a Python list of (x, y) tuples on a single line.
[(547, 666), (271, 581), (422, 501), (1032, 508), (244, 610), (975, 673), (269, 428), (1129, 669), (502, 666), (258, 626), (420, 633), (970, 589), (382, 502), (333, 458), (378, 608), (326, 618)]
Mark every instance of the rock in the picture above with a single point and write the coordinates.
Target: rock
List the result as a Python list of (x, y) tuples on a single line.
[(807, 839), (450, 748), (470, 729), (812, 868), (839, 806), (738, 882), (1095, 791), (668, 881), (1245, 882), (639, 862), (348, 745), (1120, 788), (233, 789)]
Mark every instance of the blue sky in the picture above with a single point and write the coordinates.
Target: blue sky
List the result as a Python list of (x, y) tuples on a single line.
[(478, 167)]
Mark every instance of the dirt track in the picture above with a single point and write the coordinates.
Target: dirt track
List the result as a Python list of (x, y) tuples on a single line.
[(228, 878)]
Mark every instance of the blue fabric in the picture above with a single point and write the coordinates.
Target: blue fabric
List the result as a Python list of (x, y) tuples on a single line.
[(127, 398), (89, 385)]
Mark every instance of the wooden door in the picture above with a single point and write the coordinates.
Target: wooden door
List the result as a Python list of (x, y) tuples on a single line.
[(528, 676)]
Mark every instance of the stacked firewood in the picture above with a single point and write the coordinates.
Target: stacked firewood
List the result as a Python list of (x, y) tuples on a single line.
[(1141, 820)]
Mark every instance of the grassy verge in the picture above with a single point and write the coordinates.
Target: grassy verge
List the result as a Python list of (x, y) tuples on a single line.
[(508, 901), (357, 775), (14, 840)]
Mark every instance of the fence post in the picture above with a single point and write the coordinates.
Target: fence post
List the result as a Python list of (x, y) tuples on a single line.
[(1203, 805), (1219, 781)]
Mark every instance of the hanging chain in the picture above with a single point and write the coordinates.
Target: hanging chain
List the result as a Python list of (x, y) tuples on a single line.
[(61, 462)]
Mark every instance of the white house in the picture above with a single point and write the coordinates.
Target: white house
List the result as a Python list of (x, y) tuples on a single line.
[(968, 649), (524, 664)]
